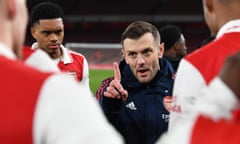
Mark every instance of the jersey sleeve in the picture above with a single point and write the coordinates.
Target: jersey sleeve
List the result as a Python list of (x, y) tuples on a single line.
[(68, 113), (40, 60), (217, 101), (220, 131), (187, 88), (211, 119)]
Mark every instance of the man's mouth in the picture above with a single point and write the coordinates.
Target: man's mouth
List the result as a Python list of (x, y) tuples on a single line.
[(53, 46), (142, 73)]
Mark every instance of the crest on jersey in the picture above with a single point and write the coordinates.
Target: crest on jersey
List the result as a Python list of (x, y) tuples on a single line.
[(167, 102)]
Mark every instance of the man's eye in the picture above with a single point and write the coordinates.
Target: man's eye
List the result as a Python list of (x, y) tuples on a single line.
[(147, 52), (58, 32), (46, 32), (131, 54)]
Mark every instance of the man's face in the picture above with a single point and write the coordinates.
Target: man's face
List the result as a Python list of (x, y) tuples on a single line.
[(49, 34), (181, 48), (142, 55)]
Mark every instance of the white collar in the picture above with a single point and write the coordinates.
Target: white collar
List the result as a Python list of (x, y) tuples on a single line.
[(231, 26), (5, 51), (66, 57)]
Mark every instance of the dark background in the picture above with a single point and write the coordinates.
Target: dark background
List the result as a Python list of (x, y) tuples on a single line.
[(103, 21)]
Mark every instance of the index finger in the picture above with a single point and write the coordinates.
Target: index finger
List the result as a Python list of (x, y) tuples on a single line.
[(117, 74)]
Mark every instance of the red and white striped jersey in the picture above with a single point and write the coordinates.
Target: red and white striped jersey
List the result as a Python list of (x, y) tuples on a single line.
[(39, 59), (72, 63), (198, 68), (38, 107), (214, 119)]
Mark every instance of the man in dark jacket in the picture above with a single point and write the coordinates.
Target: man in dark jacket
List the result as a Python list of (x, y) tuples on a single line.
[(135, 99)]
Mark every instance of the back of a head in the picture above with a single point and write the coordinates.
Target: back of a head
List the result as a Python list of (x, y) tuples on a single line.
[(219, 12), (228, 9), (13, 22), (45, 10), (138, 28), (170, 34)]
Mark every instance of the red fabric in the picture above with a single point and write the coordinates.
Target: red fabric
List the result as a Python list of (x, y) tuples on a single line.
[(102, 87), (20, 87), (236, 116), (207, 131), (209, 59), (27, 51), (75, 68)]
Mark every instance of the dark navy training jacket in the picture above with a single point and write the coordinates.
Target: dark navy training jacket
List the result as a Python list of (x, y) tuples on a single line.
[(142, 118)]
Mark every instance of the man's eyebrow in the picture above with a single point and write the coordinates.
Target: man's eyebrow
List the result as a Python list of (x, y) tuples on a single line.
[(52, 31)]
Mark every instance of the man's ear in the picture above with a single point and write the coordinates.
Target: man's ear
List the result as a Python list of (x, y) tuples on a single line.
[(123, 55), (11, 8), (161, 50), (33, 32), (176, 46), (208, 4)]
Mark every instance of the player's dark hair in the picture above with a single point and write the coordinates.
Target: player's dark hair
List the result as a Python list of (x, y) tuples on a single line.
[(170, 34), (45, 10)]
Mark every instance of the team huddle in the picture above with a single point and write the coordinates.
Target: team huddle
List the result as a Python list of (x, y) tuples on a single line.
[(158, 94)]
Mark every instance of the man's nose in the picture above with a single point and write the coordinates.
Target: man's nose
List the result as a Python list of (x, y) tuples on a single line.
[(140, 59), (53, 37)]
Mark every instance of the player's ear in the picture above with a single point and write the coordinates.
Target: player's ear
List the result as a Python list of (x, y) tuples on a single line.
[(11, 8), (208, 5), (161, 50), (33, 32), (123, 53)]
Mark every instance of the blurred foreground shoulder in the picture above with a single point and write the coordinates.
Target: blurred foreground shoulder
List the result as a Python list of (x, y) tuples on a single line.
[(68, 112)]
